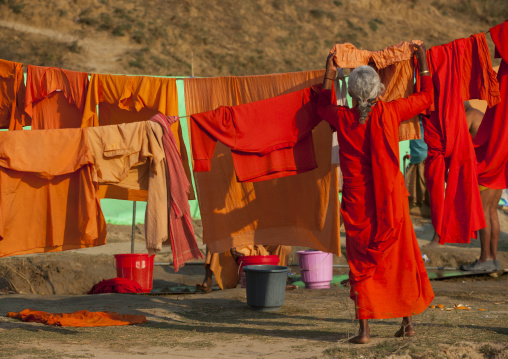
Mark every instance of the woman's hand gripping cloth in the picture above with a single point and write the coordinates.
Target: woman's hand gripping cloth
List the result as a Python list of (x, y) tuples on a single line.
[(396, 70), (181, 232), (131, 156), (294, 210), (490, 142), (82, 318), (461, 70), (268, 139), (48, 199), (12, 96), (126, 99), (55, 98), (387, 274)]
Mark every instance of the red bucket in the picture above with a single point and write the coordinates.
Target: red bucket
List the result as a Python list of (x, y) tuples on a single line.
[(136, 267), (253, 260)]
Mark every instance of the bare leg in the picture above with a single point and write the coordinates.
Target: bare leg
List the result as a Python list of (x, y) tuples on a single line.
[(363, 336), (407, 328), (494, 222), (206, 286)]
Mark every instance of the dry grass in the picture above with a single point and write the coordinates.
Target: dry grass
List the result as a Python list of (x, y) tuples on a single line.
[(227, 37)]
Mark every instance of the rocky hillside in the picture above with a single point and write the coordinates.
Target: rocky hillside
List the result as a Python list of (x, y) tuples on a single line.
[(224, 37)]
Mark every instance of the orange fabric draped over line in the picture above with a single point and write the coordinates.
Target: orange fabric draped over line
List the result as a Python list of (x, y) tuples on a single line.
[(461, 70), (492, 138), (82, 318), (396, 70), (55, 98), (12, 96), (48, 200), (387, 274), (295, 210), (125, 99)]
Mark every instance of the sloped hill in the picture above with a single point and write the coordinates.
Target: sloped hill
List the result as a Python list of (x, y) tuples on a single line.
[(224, 37)]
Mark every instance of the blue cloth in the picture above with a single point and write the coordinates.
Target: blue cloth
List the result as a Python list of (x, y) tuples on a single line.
[(418, 149)]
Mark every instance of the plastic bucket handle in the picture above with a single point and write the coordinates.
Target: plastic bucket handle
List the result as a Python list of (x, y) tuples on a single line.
[(317, 265)]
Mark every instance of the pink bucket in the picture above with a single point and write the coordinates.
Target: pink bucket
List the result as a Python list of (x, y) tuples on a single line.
[(316, 268)]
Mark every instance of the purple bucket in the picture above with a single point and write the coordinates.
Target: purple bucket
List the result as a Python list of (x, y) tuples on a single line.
[(316, 268)]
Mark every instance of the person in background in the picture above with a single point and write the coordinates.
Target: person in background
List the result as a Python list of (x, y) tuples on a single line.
[(419, 200), (387, 274), (489, 236)]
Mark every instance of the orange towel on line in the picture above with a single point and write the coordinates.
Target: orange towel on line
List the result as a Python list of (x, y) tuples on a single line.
[(48, 201), (387, 274), (296, 210), (226, 269), (125, 99), (396, 71), (12, 96), (82, 318), (460, 70)]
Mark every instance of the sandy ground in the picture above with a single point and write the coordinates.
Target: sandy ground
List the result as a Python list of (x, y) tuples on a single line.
[(311, 324)]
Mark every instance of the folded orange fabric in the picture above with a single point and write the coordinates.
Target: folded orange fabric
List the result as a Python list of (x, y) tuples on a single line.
[(295, 210), (82, 318), (125, 99), (48, 201), (12, 96), (396, 71), (55, 98)]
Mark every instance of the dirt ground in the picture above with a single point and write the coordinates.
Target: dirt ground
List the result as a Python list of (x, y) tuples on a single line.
[(311, 323)]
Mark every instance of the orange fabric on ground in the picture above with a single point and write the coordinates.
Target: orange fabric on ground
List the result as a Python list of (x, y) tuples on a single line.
[(226, 269), (48, 200), (295, 210), (55, 98), (126, 99), (395, 67), (82, 318), (12, 96), (387, 274)]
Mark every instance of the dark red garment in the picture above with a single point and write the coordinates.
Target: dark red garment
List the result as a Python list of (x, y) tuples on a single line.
[(491, 140), (116, 285), (181, 233), (461, 70), (268, 139), (387, 274)]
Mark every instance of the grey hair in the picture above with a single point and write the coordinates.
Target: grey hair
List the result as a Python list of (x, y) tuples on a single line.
[(365, 86)]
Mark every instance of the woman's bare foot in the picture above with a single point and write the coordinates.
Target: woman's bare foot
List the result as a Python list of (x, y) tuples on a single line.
[(407, 328), (434, 243), (363, 336), (206, 286)]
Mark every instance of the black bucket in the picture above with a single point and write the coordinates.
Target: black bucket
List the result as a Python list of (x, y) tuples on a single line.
[(266, 286)]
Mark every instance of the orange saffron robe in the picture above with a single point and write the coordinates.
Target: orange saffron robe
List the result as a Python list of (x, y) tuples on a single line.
[(387, 274), (55, 98)]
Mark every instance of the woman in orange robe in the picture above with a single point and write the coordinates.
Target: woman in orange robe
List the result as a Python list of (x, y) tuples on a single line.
[(387, 274)]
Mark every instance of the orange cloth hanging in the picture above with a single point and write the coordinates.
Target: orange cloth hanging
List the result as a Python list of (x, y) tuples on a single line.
[(12, 96), (82, 318), (125, 99), (395, 67), (296, 210), (461, 70), (48, 200), (55, 98)]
